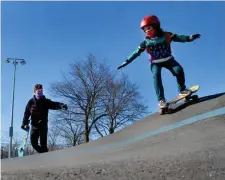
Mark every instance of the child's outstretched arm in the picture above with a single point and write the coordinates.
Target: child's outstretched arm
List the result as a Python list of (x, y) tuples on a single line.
[(134, 55), (183, 38)]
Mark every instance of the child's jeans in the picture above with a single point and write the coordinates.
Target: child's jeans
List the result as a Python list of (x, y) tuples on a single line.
[(175, 68)]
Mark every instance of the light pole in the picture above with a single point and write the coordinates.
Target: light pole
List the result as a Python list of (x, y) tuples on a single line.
[(15, 62)]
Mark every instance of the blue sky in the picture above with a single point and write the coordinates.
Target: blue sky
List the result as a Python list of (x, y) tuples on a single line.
[(51, 35)]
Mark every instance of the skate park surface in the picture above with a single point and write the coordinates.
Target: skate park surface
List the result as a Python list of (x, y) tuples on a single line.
[(188, 144)]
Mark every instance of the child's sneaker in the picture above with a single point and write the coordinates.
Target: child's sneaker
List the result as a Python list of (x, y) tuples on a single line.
[(185, 91), (162, 103)]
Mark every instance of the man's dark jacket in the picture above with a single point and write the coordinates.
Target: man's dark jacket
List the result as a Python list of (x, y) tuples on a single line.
[(37, 110)]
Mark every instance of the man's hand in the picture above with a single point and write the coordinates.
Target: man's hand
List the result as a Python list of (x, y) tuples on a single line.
[(25, 127), (64, 106)]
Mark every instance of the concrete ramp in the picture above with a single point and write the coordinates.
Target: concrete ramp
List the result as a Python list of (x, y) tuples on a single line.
[(188, 144)]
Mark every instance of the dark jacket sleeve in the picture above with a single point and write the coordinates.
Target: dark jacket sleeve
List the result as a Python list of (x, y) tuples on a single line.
[(53, 105), (27, 114)]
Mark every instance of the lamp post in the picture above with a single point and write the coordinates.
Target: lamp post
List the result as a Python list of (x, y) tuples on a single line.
[(15, 62)]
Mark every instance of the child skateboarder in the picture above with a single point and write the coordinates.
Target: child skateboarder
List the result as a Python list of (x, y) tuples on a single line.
[(37, 109), (157, 44)]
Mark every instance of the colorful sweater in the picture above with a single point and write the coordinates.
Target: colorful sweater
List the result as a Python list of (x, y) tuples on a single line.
[(159, 48)]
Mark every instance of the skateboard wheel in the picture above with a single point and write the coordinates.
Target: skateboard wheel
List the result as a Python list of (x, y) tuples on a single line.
[(163, 110), (169, 111), (195, 97), (186, 99)]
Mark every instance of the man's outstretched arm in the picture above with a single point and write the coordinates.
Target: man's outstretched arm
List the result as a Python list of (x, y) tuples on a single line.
[(56, 105)]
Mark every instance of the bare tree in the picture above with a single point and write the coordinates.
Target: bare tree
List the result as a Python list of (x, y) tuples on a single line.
[(17, 140), (53, 137), (82, 89), (68, 128), (123, 105), (4, 137), (98, 101)]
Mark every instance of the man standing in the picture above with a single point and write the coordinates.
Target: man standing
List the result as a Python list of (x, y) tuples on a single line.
[(37, 110)]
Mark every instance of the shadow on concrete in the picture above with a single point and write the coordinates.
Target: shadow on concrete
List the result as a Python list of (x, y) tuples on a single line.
[(183, 105)]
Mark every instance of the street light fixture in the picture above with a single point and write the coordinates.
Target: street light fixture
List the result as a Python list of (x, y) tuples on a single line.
[(13, 61), (7, 61), (23, 62)]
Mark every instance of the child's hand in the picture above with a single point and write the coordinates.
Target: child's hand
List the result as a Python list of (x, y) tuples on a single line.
[(195, 36), (122, 65)]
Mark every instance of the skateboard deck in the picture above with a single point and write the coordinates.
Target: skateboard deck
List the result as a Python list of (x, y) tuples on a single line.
[(186, 98), (193, 89), (21, 147)]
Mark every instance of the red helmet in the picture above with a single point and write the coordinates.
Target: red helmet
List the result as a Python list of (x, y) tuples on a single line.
[(149, 20)]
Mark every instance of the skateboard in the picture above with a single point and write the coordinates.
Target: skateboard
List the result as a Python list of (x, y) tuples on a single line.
[(20, 149), (186, 97)]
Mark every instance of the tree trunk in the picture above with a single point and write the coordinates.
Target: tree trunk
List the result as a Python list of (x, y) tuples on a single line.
[(74, 140), (99, 132), (86, 132), (111, 130), (86, 137)]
